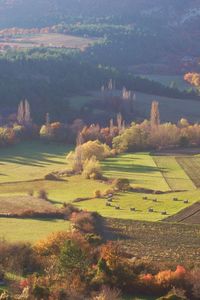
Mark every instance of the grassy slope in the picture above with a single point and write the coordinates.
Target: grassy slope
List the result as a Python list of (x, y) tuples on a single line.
[(49, 40), (139, 168), (33, 160), (29, 230), (128, 200), (174, 175), (168, 79)]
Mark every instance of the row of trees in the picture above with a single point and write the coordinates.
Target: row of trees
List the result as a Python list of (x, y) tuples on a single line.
[(151, 134)]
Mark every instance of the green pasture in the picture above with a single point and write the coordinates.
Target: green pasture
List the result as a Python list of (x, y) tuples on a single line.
[(22, 169), (172, 172), (29, 230), (31, 160), (126, 201), (167, 80), (139, 168)]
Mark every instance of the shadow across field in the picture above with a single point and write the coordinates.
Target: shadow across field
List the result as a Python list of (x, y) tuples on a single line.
[(136, 168)]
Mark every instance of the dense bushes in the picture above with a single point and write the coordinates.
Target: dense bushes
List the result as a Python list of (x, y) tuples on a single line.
[(78, 264)]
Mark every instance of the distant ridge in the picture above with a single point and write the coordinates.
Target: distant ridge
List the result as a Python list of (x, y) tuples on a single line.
[(28, 13)]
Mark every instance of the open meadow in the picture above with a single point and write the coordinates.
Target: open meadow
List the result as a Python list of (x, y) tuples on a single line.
[(23, 167), (171, 109), (50, 40)]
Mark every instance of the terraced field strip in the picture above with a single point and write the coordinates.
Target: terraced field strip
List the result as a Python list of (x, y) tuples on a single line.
[(174, 174), (139, 168), (191, 165)]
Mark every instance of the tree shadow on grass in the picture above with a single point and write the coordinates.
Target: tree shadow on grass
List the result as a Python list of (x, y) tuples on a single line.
[(35, 161), (33, 154), (127, 168)]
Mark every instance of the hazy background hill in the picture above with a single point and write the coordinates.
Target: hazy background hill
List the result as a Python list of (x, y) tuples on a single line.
[(33, 12)]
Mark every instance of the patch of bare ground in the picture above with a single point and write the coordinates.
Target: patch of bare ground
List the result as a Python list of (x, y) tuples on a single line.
[(23, 205)]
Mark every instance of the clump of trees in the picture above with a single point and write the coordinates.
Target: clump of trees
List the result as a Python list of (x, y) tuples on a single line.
[(86, 156), (193, 79), (152, 134)]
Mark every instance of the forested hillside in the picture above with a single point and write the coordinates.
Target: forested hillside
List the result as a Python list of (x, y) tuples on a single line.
[(31, 12)]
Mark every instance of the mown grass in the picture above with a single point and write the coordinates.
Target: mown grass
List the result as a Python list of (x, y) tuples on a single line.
[(191, 165), (173, 173), (139, 168), (31, 160), (135, 200), (29, 230)]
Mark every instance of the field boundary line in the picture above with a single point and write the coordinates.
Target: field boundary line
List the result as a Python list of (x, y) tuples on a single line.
[(165, 179), (23, 181), (182, 165)]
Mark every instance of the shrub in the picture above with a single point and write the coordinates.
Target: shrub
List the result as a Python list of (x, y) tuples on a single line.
[(18, 258), (51, 177), (73, 258), (122, 184), (42, 194), (97, 194), (108, 294), (91, 168), (83, 222), (193, 279)]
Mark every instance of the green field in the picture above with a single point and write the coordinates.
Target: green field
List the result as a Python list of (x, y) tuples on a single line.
[(173, 173), (168, 79), (23, 167), (29, 230), (139, 168), (171, 109)]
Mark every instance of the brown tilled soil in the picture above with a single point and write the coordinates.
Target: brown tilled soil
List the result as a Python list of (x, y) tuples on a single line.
[(177, 152), (189, 215), (163, 243)]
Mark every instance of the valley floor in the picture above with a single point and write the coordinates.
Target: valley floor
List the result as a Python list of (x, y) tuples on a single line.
[(23, 167)]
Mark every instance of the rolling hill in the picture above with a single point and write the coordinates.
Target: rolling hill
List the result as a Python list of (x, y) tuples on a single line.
[(33, 12)]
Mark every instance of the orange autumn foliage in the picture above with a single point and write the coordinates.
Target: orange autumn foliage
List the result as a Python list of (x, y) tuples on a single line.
[(55, 241), (193, 78), (165, 277)]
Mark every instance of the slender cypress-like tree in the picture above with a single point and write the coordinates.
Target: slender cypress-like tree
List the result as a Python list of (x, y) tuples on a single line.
[(155, 115)]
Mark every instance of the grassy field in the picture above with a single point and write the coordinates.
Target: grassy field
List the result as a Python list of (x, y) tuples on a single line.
[(191, 165), (23, 167), (139, 168), (174, 175), (171, 109), (135, 200), (29, 230), (48, 40), (168, 79)]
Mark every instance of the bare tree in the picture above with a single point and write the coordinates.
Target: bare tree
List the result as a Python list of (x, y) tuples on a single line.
[(119, 121), (27, 112), (20, 113), (24, 112), (155, 115)]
